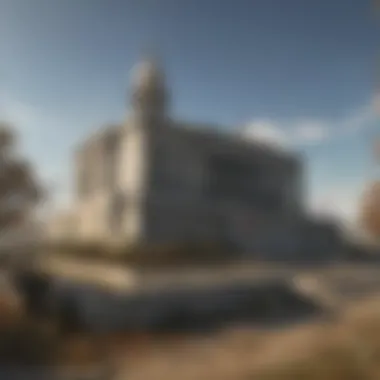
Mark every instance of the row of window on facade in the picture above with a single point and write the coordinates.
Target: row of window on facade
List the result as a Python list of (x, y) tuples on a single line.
[(97, 167), (229, 178)]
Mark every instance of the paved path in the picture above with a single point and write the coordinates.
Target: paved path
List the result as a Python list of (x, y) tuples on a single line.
[(332, 288), (128, 280), (348, 281)]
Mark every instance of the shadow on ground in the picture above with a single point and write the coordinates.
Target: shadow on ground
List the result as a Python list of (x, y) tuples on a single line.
[(198, 309)]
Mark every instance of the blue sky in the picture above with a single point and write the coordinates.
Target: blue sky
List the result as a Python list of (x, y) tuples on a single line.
[(299, 71)]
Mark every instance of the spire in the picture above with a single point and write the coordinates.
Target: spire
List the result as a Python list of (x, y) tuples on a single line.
[(149, 94), (147, 74)]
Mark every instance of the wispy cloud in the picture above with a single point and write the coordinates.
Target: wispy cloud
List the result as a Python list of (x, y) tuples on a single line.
[(23, 116), (311, 131), (339, 200), (267, 131), (358, 120)]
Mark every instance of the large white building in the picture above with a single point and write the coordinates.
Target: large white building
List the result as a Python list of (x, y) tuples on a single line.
[(153, 180)]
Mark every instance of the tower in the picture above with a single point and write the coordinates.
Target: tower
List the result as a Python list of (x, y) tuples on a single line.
[(149, 93)]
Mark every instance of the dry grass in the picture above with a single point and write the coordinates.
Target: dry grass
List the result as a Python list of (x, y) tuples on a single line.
[(347, 349)]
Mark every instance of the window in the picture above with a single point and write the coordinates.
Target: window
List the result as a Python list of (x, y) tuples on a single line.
[(233, 177), (116, 212), (82, 176), (238, 179), (111, 155)]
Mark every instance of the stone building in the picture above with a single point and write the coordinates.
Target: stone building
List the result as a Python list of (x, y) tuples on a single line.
[(154, 179)]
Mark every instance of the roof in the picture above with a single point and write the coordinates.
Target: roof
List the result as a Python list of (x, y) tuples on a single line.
[(206, 132), (202, 133), (98, 135)]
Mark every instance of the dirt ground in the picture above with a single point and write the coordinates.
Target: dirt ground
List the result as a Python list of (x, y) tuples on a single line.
[(347, 348)]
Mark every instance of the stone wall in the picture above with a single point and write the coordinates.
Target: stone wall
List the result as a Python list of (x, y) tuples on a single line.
[(172, 222), (161, 189), (111, 208)]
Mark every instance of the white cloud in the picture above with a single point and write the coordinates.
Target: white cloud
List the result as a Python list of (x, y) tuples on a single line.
[(339, 200), (311, 131), (272, 133), (267, 132)]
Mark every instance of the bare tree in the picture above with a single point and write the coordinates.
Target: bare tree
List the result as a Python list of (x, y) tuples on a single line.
[(19, 189), (370, 210)]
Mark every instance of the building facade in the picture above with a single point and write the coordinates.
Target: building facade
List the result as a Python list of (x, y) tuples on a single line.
[(156, 180)]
